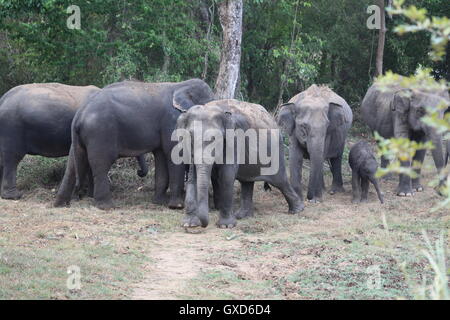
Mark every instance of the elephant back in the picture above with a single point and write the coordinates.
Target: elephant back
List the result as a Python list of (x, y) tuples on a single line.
[(256, 115), (71, 96)]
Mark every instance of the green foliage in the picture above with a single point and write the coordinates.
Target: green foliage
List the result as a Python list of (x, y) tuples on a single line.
[(287, 44)]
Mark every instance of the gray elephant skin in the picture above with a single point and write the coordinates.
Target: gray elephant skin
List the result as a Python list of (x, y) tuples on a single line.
[(35, 119), (231, 115), (364, 165), (128, 119), (397, 112), (317, 121)]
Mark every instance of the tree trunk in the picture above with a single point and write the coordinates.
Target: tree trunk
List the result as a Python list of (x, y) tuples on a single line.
[(230, 14), (381, 38)]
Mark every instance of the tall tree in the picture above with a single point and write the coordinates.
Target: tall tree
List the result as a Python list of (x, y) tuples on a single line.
[(230, 15), (381, 38)]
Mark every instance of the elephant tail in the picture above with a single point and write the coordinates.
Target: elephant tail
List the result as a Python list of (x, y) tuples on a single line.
[(79, 156), (143, 166), (447, 154)]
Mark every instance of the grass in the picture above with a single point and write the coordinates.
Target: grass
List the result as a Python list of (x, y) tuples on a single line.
[(335, 250)]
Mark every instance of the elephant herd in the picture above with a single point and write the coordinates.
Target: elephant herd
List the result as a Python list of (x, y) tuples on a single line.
[(95, 127)]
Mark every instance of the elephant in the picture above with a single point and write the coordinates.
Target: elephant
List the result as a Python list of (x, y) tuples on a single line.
[(317, 122), (364, 166), (233, 116), (127, 119), (397, 112), (35, 119)]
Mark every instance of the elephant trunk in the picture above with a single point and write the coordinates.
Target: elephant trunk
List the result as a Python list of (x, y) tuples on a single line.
[(316, 155), (203, 177), (377, 188)]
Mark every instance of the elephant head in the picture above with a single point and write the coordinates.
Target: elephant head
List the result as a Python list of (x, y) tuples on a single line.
[(192, 92), (315, 118), (207, 129), (408, 107)]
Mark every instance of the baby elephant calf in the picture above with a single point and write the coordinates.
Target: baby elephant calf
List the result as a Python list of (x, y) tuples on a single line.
[(364, 165)]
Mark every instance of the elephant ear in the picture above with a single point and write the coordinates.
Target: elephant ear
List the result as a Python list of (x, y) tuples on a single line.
[(285, 118), (336, 116), (183, 99)]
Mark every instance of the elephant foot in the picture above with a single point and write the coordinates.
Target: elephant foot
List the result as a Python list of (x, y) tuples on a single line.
[(297, 208), (405, 192), (364, 200), (176, 204), (336, 189), (227, 223), (356, 200), (243, 213), (160, 200), (60, 203), (315, 200), (11, 194), (190, 221), (417, 187), (104, 205)]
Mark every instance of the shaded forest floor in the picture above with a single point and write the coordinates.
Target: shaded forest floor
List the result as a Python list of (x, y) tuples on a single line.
[(334, 250)]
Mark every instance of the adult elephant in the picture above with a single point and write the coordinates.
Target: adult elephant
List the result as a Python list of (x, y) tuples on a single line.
[(35, 119), (397, 112), (317, 121), (224, 117), (127, 119)]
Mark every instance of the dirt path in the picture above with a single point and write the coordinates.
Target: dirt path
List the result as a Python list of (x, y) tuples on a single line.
[(176, 259)]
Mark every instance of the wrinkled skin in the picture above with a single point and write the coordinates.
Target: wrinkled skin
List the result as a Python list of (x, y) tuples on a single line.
[(317, 122), (222, 115), (35, 119), (397, 113), (364, 166), (128, 119)]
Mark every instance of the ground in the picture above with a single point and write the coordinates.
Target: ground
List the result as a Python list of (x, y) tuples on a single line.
[(334, 250)]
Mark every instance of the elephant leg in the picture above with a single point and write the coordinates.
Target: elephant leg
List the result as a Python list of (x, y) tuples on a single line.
[(190, 201), (227, 175), (9, 175), (336, 170), (296, 167), (246, 208), (90, 183), (161, 178), (280, 181), (176, 185), (216, 189), (364, 189), (418, 158), (404, 188), (1, 172), (100, 162), (356, 187), (384, 165)]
